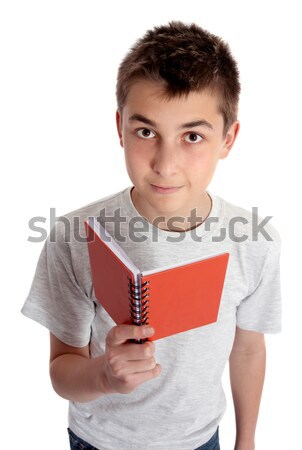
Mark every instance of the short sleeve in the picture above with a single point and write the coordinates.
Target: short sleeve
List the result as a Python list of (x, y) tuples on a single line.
[(55, 299), (261, 310)]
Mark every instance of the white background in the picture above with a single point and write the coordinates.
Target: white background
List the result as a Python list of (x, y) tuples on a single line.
[(59, 149)]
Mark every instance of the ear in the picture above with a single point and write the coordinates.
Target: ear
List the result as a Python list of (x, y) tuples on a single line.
[(230, 139), (118, 118)]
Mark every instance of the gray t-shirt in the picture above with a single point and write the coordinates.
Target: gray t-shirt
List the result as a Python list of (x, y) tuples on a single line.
[(181, 408)]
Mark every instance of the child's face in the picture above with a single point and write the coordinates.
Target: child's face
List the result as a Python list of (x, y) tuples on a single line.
[(169, 163)]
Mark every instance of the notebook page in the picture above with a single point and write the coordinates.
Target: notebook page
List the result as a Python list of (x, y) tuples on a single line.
[(182, 263)]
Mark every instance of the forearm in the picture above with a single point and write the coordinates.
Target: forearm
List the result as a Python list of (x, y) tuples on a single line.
[(77, 378), (247, 371)]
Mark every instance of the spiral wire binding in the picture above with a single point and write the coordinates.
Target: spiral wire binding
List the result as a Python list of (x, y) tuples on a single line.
[(138, 297), (139, 304)]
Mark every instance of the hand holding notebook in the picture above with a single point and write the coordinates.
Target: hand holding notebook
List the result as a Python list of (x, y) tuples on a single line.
[(124, 365)]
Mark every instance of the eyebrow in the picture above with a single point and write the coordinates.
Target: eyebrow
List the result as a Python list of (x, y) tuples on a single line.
[(194, 123)]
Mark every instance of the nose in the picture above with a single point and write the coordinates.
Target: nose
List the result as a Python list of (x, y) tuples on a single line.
[(165, 160)]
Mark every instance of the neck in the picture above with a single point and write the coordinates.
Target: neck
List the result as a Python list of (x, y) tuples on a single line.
[(178, 221), (194, 218)]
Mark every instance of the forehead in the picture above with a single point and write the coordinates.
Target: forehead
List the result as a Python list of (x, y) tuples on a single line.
[(149, 99)]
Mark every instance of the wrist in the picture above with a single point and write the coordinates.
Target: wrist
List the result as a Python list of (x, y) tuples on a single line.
[(103, 384), (245, 447)]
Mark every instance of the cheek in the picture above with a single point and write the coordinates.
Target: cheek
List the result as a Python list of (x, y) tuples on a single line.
[(203, 168), (136, 153), (205, 162), (134, 157), (135, 162)]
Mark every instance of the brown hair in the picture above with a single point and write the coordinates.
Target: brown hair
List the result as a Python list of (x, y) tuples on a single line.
[(182, 58)]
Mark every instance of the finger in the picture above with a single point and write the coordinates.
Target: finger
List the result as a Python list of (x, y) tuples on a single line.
[(124, 369), (121, 333), (137, 378), (133, 380), (134, 352)]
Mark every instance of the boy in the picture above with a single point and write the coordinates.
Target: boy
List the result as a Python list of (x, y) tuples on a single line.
[(177, 94)]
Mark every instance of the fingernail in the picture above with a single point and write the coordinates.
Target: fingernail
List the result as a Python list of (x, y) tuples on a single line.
[(148, 331)]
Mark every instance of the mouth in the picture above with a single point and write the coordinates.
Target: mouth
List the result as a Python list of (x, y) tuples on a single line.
[(165, 189)]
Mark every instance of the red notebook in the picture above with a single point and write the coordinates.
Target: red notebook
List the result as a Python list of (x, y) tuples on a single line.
[(171, 299)]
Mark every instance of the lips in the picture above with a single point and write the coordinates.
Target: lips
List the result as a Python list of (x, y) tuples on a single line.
[(165, 189)]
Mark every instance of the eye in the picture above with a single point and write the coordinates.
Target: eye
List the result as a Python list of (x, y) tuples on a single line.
[(193, 138), (145, 133)]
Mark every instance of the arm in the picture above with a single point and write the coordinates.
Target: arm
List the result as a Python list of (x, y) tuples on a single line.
[(78, 377), (247, 371)]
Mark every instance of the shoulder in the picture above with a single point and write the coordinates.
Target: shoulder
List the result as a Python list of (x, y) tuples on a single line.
[(248, 225), (252, 241), (72, 224), (67, 238), (92, 209)]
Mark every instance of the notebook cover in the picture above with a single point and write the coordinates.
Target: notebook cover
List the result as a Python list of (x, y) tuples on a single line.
[(186, 297), (110, 278)]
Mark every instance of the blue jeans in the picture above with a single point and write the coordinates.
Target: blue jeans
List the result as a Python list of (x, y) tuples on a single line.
[(77, 443), (212, 444)]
